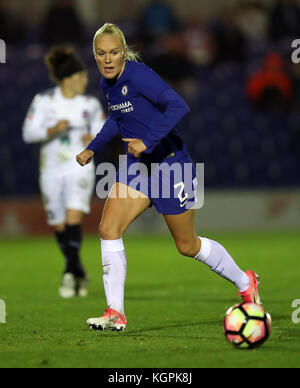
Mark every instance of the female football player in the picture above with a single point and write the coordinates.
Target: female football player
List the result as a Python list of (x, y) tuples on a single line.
[(64, 120), (146, 111)]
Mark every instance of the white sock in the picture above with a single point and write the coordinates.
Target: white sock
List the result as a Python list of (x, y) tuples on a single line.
[(114, 273), (218, 259)]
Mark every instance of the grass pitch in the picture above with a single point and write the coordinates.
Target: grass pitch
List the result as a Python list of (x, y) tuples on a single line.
[(174, 306)]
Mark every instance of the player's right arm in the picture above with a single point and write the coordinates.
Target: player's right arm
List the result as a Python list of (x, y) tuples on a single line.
[(38, 125), (109, 130)]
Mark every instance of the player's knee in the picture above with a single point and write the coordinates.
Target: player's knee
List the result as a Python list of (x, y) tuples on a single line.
[(185, 248), (109, 231)]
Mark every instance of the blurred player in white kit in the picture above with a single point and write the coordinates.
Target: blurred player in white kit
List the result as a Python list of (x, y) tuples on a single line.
[(63, 121)]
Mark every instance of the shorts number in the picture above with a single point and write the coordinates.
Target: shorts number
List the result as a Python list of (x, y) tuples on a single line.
[(183, 199)]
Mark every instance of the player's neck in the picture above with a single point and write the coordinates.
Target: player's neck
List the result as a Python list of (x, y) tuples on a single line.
[(112, 81), (122, 70), (67, 93)]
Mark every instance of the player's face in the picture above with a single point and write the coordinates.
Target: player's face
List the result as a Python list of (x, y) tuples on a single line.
[(78, 82), (110, 55)]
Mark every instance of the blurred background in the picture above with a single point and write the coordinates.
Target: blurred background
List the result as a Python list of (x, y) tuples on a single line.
[(232, 62)]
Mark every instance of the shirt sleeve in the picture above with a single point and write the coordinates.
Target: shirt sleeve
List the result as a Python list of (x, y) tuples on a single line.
[(109, 130), (174, 108), (148, 83), (97, 118), (36, 124)]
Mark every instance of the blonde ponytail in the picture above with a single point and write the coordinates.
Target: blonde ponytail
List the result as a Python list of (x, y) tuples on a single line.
[(109, 28)]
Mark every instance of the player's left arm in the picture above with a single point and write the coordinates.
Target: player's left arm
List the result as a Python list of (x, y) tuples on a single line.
[(161, 94), (174, 110)]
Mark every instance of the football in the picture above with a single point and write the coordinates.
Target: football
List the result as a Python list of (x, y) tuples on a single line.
[(247, 325)]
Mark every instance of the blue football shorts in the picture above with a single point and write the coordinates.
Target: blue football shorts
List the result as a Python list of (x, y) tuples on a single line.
[(170, 185)]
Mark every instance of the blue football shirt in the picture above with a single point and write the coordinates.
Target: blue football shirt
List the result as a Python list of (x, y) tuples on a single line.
[(141, 105)]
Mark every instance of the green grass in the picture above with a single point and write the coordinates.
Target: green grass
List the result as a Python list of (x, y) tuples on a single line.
[(174, 306)]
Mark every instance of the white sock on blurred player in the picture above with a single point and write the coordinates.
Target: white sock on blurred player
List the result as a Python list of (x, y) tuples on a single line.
[(114, 273), (218, 259)]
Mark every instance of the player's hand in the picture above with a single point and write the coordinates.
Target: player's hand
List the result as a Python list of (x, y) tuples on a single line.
[(85, 157), (62, 126), (135, 147), (59, 128), (86, 139)]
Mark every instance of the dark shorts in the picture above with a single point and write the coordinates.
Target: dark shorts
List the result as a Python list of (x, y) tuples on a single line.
[(170, 185)]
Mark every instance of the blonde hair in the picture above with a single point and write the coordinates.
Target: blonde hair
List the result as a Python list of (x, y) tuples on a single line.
[(110, 28)]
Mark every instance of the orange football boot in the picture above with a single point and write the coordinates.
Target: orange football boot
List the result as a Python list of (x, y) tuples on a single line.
[(111, 320), (251, 295)]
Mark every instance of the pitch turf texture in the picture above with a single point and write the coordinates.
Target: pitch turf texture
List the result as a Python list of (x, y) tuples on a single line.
[(174, 305)]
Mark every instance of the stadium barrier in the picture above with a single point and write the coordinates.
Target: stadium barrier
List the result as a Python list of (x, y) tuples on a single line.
[(222, 211), (234, 211), (27, 218)]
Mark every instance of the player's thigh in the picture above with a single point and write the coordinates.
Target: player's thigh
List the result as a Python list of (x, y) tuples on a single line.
[(182, 228), (51, 188), (122, 207), (79, 187)]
